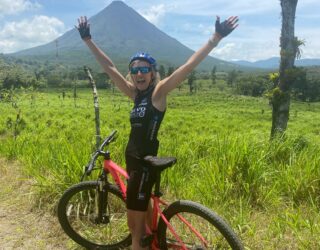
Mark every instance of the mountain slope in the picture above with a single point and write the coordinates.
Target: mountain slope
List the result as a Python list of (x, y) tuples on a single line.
[(273, 63), (120, 31)]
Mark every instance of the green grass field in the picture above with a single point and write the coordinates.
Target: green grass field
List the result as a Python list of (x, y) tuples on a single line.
[(268, 191)]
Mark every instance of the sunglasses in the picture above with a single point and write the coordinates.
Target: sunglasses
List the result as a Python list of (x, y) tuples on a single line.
[(143, 70)]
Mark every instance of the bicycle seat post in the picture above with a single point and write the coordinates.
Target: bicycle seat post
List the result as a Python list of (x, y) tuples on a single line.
[(159, 164), (157, 192)]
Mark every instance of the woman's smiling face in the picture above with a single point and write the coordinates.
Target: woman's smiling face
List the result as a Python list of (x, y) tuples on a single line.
[(141, 80)]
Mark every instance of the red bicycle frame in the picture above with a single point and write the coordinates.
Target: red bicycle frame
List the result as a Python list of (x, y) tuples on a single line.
[(119, 174)]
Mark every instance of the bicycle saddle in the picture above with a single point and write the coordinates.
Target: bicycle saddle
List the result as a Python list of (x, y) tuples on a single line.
[(161, 163)]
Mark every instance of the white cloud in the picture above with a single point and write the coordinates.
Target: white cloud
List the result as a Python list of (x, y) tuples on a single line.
[(224, 7), (312, 45), (29, 33), (228, 7), (225, 51), (244, 7), (307, 3), (249, 43), (258, 34), (154, 14), (206, 30), (241, 51), (10, 7), (253, 43)]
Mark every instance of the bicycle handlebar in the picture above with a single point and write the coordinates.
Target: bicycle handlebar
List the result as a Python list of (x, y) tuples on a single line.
[(108, 140), (99, 152)]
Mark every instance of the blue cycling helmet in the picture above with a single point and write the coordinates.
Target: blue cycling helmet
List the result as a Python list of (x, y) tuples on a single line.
[(144, 57)]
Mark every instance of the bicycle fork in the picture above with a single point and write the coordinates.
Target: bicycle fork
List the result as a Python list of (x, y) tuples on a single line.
[(102, 200)]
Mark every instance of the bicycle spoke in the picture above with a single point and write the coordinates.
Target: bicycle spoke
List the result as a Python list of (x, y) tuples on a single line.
[(88, 227), (82, 214), (203, 236), (196, 227)]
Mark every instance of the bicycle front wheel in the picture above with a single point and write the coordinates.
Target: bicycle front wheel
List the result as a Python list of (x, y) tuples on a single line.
[(77, 213), (197, 227)]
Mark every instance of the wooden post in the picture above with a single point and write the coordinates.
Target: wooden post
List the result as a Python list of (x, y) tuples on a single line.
[(96, 106)]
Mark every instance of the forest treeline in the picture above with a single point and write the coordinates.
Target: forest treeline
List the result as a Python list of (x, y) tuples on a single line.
[(305, 87)]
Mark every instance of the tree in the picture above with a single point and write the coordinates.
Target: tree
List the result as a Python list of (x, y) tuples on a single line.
[(232, 76), (54, 80), (252, 85), (191, 81), (299, 84), (170, 70), (213, 75), (101, 80), (313, 90), (162, 72), (15, 78), (280, 99)]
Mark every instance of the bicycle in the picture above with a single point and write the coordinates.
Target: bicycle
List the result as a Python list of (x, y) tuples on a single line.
[(93, 213)]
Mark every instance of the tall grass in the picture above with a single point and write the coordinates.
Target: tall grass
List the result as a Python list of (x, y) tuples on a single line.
[(267, 190)]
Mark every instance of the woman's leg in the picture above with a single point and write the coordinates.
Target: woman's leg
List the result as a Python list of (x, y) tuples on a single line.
[(137, 226), (139, 209)]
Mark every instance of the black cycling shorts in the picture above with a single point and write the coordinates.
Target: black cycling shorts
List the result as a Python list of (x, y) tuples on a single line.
[(140, 183)]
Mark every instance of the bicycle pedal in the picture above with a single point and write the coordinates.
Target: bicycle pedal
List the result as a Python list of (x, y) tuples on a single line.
[(146, 240)]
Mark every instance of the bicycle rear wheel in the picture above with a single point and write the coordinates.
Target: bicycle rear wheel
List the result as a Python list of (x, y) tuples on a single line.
[(77, 213), (212, 232)]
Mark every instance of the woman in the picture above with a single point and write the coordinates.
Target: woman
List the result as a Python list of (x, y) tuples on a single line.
[(150, 101)]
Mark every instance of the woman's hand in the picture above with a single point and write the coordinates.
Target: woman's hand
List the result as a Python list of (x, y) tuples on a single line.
[(227, 26), (84, 28)]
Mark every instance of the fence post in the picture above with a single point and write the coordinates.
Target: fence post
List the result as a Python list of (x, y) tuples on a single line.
[(96, 106)]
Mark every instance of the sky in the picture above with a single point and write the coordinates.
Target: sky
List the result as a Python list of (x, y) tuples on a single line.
[(29, 23)]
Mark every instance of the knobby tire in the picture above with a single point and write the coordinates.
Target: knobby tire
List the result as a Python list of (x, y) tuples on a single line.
[(77, 213), (214, 229)]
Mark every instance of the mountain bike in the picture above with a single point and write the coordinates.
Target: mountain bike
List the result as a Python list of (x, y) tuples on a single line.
[(93, 213)]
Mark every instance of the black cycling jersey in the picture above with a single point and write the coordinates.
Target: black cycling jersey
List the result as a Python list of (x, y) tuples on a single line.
[(145, 122)]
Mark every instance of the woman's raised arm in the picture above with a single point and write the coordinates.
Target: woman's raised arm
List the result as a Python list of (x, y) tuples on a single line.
[(125, 86), (221, 30)]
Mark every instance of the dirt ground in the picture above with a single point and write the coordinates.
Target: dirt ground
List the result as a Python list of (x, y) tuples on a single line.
[(22, 225)]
